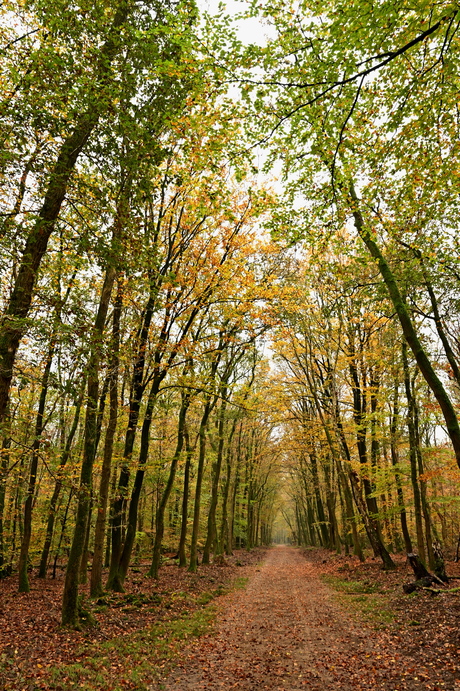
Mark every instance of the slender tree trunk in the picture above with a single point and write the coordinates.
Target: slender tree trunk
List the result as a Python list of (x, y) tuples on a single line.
[(185, 498), (83, 573), (426, 368), (70, 614), (323, 524), (395, 461), (373, 534), (439, 326), (57, 490), (216, 470), (39, 425), (423, 497), (131, 524), (160, 514), (350, 514), (63, 527), (359, 414), (413, 457), (224, 543), (115, 581), (209, 404), (234, 493), (108, 543), (372, 528), (4, 462), (96, 570)]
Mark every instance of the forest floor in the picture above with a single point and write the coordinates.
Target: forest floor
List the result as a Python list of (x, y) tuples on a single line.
[(313, 620), (137, 634), (286, 620)]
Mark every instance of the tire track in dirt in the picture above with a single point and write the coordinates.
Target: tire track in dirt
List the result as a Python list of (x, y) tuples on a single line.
[(284, 632)]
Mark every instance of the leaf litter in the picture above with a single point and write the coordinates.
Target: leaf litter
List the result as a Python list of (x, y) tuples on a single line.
[(308, 619)]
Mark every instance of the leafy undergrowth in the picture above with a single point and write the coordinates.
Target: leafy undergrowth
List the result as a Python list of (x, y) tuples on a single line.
[(424, 626), (137, 636)]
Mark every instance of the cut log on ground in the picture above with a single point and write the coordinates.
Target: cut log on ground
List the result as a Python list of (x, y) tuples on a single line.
[(424, 582)]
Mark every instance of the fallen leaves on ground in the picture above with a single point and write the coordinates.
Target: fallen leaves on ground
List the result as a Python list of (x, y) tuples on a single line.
[(289, 630), (308, 619), (32, 642)]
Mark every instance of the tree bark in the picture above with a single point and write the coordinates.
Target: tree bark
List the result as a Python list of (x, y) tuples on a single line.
[(70, 613), (57, 489), (13, 324), (395, 461), (96, 588), (185, 498), (160, 514), (426, 368), (4, 461), (224, 541), (209, 404), (217, 466), (39, 425), (413, 457)]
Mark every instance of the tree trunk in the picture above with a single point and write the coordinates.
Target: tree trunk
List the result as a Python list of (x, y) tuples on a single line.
[(373, 534), (395, 461), (217, 466), (423, 497), (83, 573), (39, 424), (413, 456), (418, 567), (224, 542), (426, 368), (185, 499), (359, 415), (160, 514), (209, 404), (14, 322), (96, 588), (57, 489), (70, 614), (351, 519), (137, 389), (61, 537), (131, 524), (4, 462), (323, 526)]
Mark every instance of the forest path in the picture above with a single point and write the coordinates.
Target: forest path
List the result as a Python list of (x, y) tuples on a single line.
[(284, 631)]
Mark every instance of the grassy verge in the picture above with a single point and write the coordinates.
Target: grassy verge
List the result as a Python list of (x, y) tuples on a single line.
[(139, 660), (365, 599)]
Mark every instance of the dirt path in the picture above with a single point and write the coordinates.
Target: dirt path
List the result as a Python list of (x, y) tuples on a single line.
[(285, 632)]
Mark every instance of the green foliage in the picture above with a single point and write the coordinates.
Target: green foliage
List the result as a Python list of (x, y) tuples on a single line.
[(352, 587)]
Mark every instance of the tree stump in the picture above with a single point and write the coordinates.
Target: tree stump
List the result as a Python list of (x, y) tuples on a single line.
[(439, 565), (424, 579), (418, 567)]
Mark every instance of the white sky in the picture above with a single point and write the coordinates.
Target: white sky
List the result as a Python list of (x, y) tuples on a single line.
[(249, 30)]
